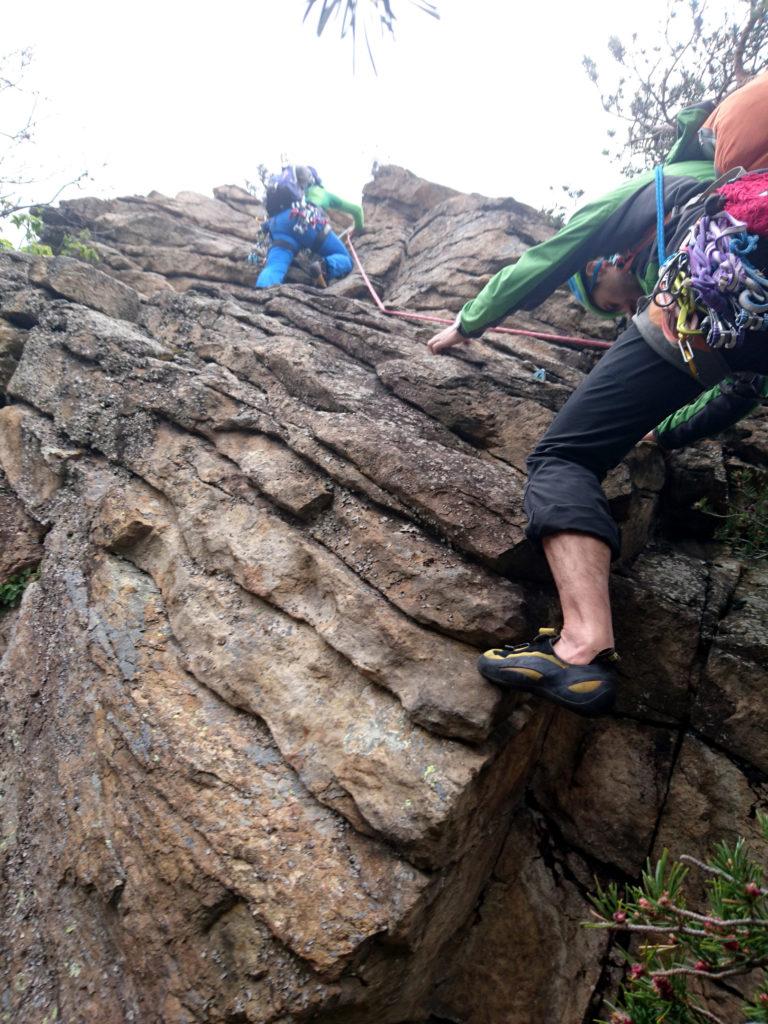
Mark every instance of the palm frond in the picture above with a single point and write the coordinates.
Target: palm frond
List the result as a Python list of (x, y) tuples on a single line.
[(348, 9)]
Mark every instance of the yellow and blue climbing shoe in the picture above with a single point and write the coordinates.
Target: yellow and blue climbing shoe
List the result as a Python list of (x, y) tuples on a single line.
[(535, 668)]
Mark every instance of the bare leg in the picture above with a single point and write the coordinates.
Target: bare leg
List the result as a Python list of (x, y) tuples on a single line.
[(580, 564)]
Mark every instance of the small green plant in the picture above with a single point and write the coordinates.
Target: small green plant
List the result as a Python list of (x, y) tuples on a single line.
[(32, 228), (728, 939), (13, 588), (77, 246), (745, 526)]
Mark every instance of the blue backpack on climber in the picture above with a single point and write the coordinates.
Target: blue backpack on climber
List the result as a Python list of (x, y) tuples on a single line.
[(283, 190)]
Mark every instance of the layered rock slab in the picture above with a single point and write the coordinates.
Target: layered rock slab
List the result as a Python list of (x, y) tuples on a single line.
[(162, 486), (730, 709), (215, 790), (526, 949), (177, 809), (115, 418)]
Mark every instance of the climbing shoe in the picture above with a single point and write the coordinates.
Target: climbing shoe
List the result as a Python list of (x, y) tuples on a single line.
[(318, 272), (535, 668)]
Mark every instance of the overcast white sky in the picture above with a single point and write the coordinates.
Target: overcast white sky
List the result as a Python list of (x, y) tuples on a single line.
[(167, 95)]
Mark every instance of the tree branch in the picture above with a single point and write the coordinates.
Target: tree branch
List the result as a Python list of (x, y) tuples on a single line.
[(739, 74), (6, 211), (731, 972), (710, 870)]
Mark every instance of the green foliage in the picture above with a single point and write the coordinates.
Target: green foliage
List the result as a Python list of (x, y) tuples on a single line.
[(13, 588), (32, 227), (745, 526), (77, 247), (700, 54), (728, 939)]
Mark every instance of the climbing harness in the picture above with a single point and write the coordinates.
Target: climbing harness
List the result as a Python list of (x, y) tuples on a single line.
[(709, 288), (307, 217)]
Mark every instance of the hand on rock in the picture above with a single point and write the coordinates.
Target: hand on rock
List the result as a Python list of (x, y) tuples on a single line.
[(446, 338)]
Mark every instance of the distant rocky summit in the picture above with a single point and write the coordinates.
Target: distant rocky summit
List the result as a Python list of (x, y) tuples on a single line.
[(248, 770)]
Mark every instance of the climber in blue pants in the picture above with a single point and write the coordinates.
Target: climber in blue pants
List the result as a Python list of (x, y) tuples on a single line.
[(302, 226)]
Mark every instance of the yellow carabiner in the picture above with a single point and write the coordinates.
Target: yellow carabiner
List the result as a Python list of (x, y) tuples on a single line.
[(688, 357)]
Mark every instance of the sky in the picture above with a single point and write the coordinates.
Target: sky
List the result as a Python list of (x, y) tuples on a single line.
[(172, 96)]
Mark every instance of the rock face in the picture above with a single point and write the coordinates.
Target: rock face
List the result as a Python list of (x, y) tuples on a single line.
[(249, 771)]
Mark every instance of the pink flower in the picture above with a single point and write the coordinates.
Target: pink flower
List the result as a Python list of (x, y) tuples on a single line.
[(664, 988)]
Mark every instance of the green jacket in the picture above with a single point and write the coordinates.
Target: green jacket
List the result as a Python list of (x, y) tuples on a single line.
[(616, 223), (713, 411), (320, 196)]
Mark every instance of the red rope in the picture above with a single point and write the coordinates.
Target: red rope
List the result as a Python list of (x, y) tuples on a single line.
[(562, 339)]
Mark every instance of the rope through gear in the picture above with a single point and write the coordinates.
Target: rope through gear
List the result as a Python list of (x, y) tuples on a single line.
[(561, 339), (710, 288)]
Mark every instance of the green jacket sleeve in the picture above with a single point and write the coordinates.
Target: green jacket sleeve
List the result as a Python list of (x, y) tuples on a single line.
[(614, 223), (713, 411), (320, 196)]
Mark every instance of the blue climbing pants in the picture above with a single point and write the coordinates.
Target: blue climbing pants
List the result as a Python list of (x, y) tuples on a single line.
[(276, 266), (336, 257), (287, 242)]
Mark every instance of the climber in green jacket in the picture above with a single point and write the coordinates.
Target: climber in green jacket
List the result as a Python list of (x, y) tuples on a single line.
[(318, 195), (641, 380), (607, 253), (609, 245)]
